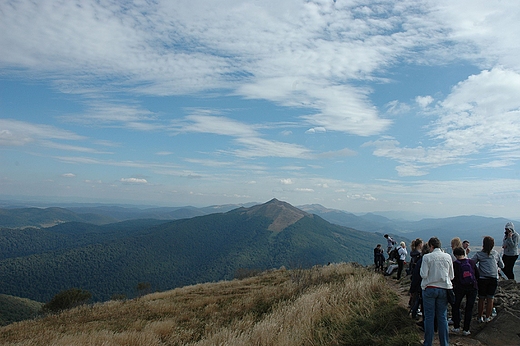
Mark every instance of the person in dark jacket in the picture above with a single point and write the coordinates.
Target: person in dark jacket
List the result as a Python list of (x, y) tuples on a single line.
[(415, 285), (464, 285), (379, 257), (415, 254)]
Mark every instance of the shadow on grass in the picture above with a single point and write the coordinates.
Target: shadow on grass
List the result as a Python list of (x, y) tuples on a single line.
[(389, 325)]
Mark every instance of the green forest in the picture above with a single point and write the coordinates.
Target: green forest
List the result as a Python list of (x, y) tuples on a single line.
[(111, 260)]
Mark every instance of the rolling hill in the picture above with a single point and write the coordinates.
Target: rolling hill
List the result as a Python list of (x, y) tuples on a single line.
[(112, 259)]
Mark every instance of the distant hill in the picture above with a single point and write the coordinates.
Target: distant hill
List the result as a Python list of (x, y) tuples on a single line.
[(14, 309), (112, 259), (100, 215), (47, 217), (472, 228)]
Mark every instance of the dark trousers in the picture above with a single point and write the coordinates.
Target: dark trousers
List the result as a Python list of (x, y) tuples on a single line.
[(509, 264), (379, 262), (415, 303), (471, 296), (400, 265)]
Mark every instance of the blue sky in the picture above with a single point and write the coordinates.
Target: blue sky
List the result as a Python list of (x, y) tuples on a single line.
[(355, 105)]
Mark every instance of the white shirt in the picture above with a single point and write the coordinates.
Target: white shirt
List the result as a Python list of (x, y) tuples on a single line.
[(402, 253), (437, 270)]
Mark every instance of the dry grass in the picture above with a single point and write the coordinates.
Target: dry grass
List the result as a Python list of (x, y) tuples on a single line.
[(332, 305)]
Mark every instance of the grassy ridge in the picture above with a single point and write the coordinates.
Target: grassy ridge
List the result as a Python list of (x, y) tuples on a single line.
[(338, 304)]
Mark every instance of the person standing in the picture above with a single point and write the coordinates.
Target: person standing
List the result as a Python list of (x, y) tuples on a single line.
[(465, 246), (379, 257), (455, 243), (415, 286), (436, 273), (415, 254), (488, 261), (464, 285), (402, 257), (510, 246), (389, 243)]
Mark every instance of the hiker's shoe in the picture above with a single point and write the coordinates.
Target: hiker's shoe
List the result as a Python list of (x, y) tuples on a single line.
[(455, 330), (450, 322), (481, 319), (488, 319), (466, 332), (494, 312)]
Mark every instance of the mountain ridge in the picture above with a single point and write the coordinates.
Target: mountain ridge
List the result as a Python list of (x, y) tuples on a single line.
[(113, 259)]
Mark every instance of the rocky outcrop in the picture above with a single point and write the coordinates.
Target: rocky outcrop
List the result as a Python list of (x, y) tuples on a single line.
[(504, 329)]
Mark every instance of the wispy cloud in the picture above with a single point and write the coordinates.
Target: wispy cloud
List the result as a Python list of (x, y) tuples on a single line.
[(19, 133), (133, 180)]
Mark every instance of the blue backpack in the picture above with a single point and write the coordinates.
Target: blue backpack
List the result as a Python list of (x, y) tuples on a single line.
[(467, 276)]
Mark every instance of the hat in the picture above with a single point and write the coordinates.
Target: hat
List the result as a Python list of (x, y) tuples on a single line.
[(510, 226)]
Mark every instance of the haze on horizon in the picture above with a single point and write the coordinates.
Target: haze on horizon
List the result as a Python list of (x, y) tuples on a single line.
[(354, 105)]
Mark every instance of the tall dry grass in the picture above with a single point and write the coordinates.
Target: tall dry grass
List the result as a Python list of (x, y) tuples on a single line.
[(338, 304)]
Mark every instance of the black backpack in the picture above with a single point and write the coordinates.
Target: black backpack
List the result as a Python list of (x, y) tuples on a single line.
[(394, 255)]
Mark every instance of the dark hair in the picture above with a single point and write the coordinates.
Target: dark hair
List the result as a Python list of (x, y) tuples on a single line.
[(434, 242), (458, 251), (417, 242), (386, 236), (425, 250), (465, 241), (488, 243)]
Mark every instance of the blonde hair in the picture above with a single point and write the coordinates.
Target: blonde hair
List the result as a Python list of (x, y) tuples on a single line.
[(403, 244), (456, 242)]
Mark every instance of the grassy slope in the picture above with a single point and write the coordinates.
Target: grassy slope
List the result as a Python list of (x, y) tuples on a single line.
[(338, 304)]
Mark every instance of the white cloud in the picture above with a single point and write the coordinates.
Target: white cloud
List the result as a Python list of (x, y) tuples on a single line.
[(286, 181), (133, 180), (19, 133), (300, 189), (68, 175), (424, 101), (316, 130), (481, 115)]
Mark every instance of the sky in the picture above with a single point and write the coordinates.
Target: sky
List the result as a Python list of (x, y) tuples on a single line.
[(358, 105)]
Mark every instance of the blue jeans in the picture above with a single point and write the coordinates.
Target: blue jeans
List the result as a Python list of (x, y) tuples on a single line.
[(435, 303)]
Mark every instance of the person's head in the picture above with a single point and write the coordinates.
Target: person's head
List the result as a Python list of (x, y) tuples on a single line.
[(434, 243), (386, 236), (378, 246), (459, 252), (488, 243), (403, 244), (425, 250), (418, 244), (455, 242), (509, 227), (465, 244)]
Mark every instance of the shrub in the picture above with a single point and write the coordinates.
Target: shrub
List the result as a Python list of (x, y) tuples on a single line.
[(67, 299)]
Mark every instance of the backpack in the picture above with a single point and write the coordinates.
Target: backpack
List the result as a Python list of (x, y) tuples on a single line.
[(393, 255), (467, 274)]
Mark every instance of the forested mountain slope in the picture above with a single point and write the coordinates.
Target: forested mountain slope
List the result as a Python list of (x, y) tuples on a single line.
[(113, 259)]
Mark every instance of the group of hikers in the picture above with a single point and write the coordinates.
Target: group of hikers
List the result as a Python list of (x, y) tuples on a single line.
[(440, 279)]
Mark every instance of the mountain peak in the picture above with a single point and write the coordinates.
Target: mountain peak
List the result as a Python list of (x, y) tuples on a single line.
[(282, 213)]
